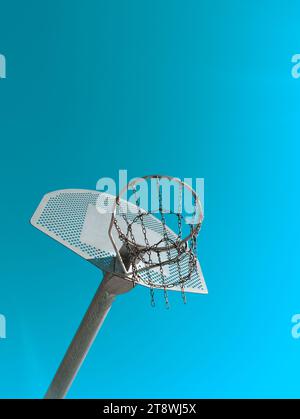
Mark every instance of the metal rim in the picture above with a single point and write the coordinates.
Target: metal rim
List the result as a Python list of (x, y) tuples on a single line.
[(195, 229)]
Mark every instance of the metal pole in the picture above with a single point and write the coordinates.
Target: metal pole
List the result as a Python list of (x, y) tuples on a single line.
[(85, 335)]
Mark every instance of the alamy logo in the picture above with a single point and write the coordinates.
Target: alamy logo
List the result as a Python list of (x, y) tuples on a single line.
[(2, 66), (296, 326), (296, 67), (147, 191), (2, 326)]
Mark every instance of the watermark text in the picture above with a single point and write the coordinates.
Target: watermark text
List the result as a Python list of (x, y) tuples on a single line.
[(2, 66), (295, 331), (174, 195), (2, 327)]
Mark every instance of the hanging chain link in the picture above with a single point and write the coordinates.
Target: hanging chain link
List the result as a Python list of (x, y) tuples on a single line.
[(163, 279), (179, 219), (166, 239), (148, 250), (193, 246)]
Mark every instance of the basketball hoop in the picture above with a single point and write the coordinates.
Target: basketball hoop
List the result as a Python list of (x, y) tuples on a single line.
[(133, 244), (171, 247)]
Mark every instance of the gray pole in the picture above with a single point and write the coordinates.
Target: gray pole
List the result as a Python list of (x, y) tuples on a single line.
[(86, 333)]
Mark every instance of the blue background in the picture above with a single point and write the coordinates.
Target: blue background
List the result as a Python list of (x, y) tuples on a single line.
[(187, 88)]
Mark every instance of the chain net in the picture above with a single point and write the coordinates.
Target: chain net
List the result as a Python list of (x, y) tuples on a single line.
[(167, 251)]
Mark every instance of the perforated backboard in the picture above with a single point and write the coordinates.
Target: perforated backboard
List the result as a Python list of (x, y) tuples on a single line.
[(80, 220)]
